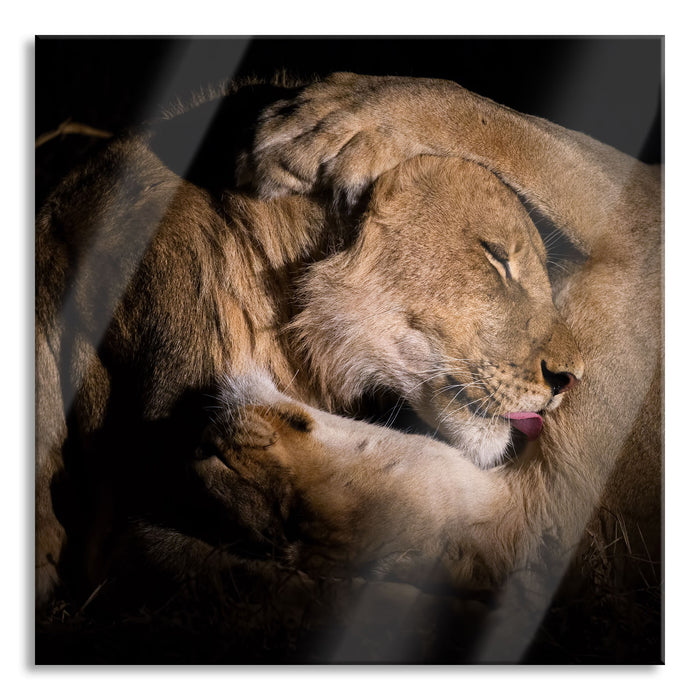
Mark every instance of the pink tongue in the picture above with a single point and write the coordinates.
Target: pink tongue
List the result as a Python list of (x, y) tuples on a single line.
[(530, 424)]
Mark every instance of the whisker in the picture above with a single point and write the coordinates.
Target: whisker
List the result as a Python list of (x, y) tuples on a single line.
[(428, 379), (451, 400), (463, 387), (394, 414), (289, 383), (434, 373), (449, 387), (475, 412)]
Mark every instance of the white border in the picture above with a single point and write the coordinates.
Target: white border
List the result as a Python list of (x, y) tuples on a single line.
[(205, 17)]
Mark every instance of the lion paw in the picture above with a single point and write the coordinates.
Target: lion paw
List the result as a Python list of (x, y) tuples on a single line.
[(256, 422), (337, 135)]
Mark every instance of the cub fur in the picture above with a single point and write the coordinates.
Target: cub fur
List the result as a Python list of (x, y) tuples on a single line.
[(151, 292), (592, 482)]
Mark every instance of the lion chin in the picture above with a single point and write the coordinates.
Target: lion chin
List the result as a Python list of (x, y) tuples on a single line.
[(487, 443)]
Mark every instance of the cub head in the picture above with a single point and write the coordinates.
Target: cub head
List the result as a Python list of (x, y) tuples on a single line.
[(443, 298)]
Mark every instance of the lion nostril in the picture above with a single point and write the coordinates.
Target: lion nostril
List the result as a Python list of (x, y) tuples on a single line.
[(559, 381), (571, 381)]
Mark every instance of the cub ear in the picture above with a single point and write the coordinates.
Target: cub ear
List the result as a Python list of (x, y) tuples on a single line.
[(350, 213)]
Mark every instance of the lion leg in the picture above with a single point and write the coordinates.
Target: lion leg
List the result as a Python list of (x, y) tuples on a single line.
[(50, 435), (359, 497), (348, 129)]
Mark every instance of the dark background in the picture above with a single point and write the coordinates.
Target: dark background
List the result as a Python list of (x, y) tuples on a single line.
[(610, 88)]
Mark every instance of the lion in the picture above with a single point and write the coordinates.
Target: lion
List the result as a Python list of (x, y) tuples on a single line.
[(596, 472), (152, 292)]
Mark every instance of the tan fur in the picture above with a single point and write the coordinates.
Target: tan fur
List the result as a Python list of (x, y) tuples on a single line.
[(416, 292), (597, 467), (145, 291), (419, 306), (346, 131)]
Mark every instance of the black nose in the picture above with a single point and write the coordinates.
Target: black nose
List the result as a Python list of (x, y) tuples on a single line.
[(559, 381)]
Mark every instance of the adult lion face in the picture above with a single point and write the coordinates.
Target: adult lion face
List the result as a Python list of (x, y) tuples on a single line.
[(445, 299)]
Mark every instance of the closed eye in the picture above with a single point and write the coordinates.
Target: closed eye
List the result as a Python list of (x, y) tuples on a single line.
[(498, 257)]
